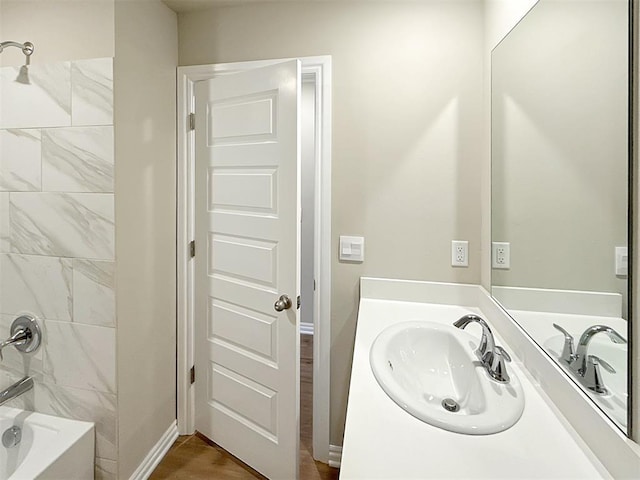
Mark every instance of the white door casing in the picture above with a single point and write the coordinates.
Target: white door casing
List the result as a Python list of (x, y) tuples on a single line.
[(318, 68), (247, 213)]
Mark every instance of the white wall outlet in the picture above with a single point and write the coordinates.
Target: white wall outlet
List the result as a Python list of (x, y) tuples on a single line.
[(622, 261), (459, 253), (501, 255)]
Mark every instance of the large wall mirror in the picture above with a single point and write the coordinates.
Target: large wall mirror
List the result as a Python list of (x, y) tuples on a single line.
[(559, 118)]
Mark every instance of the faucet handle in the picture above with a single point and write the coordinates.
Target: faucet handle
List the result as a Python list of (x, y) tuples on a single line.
[(19, 337), (495, 364), (564, 332), (503, 353), (25, 335), (594, 359), (592, 377), (568, 352)]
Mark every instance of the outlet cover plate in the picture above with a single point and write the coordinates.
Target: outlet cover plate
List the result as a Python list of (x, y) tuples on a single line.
[(501, 255), (459, 253)]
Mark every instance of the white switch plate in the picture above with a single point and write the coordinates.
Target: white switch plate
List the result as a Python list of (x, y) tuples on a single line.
[(501, 255), (351, 249), (622, 261), (459, 253)]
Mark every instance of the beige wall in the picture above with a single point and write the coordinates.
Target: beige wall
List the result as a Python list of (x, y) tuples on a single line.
[(407, 113), (60, 30), (144, 71)]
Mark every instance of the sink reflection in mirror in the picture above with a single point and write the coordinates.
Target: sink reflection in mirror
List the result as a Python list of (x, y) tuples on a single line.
[(432, 371), (614, 401), (576, 312), (560, 162)]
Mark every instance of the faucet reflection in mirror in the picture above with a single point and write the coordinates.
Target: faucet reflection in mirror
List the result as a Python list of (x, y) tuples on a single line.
[(559, 128), (584, 366)]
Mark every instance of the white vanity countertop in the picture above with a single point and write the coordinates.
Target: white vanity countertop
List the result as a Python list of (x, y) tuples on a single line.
[(382, 441)]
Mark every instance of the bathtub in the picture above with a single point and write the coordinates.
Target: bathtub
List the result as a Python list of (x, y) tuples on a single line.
[(51, 447)]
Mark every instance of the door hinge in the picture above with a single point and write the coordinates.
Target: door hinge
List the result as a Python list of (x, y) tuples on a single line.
[(192, 121), (192, 373), (192, 248)]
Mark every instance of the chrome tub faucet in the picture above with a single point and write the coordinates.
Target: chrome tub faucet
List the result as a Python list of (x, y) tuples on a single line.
[(21, 386)]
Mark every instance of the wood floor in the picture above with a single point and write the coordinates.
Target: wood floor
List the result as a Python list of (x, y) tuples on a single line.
[(192, 458)]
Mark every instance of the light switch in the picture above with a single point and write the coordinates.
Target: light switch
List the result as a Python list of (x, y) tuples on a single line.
[(622, 261), (351, 248)]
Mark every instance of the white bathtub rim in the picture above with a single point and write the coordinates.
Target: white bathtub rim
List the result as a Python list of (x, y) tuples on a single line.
[(72, 430)]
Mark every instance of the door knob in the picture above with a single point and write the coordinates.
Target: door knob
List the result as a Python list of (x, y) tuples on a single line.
[(283, 303)]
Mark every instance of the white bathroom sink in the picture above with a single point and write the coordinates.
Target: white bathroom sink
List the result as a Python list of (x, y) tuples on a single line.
[(614, 403), (422, 364)]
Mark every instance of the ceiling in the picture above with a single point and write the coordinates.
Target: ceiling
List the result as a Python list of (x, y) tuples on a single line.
[(194, 5)]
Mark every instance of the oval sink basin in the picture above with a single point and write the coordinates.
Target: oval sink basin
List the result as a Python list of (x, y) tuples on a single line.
[(431, 371)]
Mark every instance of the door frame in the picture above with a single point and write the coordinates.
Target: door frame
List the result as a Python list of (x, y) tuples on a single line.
[(319, 69)]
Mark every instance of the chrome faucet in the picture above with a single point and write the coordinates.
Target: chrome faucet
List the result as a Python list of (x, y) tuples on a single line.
[(491, 355), (587, 367), (579, 362), (15, 390)]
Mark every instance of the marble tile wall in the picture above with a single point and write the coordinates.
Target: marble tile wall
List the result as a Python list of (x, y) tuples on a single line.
[(57, 240)]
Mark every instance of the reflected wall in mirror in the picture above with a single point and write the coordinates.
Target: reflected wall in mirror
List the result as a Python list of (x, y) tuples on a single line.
[(560, 188)]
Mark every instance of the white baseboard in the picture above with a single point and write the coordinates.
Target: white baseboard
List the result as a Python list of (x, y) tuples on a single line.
[(335, 456), (156, 454), (306, 328)]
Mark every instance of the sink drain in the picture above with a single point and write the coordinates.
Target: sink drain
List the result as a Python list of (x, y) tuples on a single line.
[(450, 405), (11, 437)]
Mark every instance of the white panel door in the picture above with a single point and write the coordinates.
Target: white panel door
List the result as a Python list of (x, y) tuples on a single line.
[(248, 244)]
